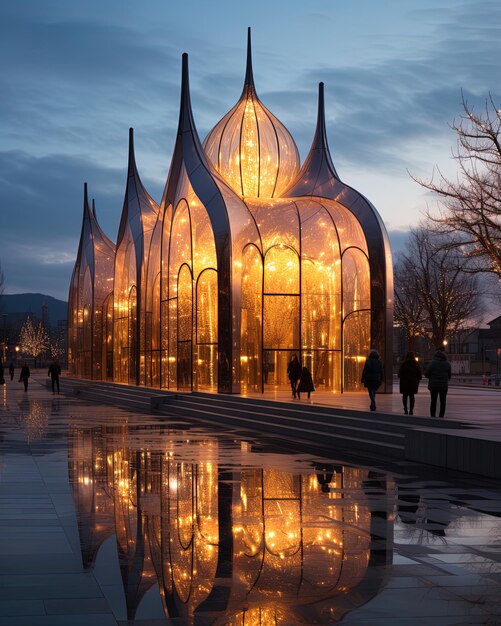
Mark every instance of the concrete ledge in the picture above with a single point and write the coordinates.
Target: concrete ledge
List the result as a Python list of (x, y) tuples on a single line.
[(473, 451)]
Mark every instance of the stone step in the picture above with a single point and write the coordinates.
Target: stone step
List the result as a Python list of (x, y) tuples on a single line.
[(259, 423), (380, 421), (296, 419)]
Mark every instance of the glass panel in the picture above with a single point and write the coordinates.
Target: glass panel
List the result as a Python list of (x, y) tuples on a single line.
[(206, 368), (180, 245), (356, 345), (185, 305), (251, 319), (184, 328), (171, 369), (125, 276), (356, 281), (349, 229), (281, 271), (207, 307), (109, 339), (132, 336), (281, 322)]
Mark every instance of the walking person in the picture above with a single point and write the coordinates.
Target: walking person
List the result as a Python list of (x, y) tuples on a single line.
[(54, 373), (294, 373), (438, 374), (24, 375), (305, 383), (2, 379), (11, 371), (409, 375), (372, 376)]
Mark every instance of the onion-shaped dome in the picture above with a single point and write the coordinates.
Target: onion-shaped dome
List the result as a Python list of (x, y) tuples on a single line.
[(251, 148)]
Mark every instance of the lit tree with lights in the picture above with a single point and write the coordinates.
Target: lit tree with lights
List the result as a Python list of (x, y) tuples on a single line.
[(34, 340)]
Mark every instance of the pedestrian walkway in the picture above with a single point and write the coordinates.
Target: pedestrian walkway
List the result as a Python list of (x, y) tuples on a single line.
[(479, 406)]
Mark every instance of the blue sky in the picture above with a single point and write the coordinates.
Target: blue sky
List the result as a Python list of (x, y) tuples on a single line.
[(75, 75)]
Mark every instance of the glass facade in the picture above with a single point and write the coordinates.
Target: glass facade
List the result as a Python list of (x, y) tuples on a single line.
[(247, 260)]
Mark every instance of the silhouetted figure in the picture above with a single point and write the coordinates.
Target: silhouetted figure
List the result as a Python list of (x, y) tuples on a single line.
[(266, 367), (24, 375), (372, 376), (54, 373), (2, 379), (11, 371), (410, 375), (294, 373), (305, 383), (438, 374)]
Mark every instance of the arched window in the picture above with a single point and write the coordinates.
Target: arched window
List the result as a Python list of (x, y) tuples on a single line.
[(251, 321), (206, 332), (281, 310), (356, 316), (184, 328), (132, 337), (320, 296)]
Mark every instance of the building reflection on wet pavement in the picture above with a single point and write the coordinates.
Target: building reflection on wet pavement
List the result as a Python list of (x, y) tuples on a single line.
[(113, 517)]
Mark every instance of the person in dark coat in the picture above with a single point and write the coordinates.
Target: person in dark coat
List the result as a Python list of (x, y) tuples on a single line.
[(24, 375), (11, 371), (294, 373), (2, 379), (54, 373), (372, 376), (438, 374), (409, 375), (305, 383)]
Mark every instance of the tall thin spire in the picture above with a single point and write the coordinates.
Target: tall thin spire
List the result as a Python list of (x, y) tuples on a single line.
[(318, 169), (86, 201), (186, 122), (132, 158), (94, 208), (249, 76)]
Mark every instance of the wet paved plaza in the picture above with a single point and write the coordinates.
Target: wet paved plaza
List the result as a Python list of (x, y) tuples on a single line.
[(112, 517)]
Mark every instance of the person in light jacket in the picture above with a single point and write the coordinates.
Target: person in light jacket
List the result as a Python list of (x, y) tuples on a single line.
[(409, 375), (372, 376), (438, 374)]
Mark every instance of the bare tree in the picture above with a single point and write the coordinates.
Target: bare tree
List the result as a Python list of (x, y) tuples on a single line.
[(471, 205), (434, 296), (408, 310)]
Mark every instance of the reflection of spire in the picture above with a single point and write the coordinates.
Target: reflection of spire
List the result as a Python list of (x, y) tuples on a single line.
[(318, 169)]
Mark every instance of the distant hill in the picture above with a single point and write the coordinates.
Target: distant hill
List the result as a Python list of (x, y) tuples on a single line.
[(23, 303)]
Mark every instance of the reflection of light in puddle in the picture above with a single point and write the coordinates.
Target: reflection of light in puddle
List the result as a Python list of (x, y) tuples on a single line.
[(35, 422)]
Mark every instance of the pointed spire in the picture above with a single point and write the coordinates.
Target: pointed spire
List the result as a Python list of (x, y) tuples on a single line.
[(94, 208), (318, 168), (86, 201), (320, 140), (186, 122), (249, 76), (132, 157)]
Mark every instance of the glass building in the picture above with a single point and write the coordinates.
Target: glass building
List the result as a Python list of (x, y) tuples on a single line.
[(249, 259)]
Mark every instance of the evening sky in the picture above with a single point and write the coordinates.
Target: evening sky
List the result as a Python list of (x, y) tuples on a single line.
[(76, 75)]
